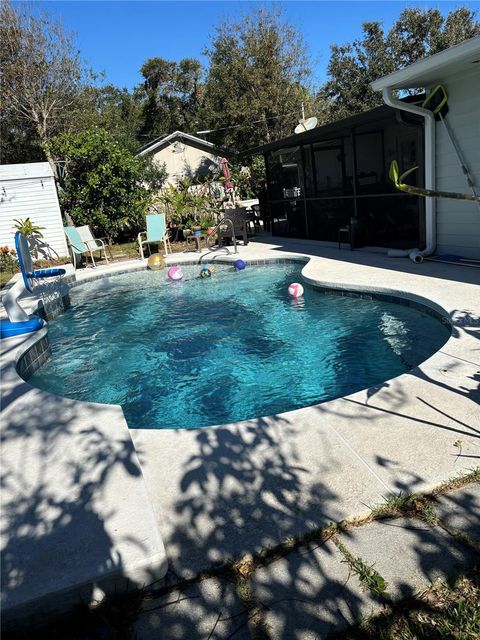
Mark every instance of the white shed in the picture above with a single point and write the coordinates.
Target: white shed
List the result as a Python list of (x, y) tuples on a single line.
[(29, 191), (456, 223)]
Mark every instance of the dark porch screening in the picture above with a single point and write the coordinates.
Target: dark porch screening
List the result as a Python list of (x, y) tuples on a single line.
[(320, 180)]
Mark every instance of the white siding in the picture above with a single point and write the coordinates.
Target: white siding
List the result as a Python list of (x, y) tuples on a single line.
[(458, 223), (29, 191), (183, 161)]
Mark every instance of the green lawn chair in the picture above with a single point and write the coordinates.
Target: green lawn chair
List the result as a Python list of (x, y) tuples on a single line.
[(77, 247), (94, 244), (155, 234)]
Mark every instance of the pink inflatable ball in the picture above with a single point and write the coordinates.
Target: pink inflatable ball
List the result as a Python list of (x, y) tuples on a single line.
[(175, 273), (295, 290)]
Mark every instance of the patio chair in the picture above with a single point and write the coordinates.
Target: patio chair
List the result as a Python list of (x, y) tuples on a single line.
[(155, 234), (77, 247), (348, 231), (94, 244), (239, 218), (254, 218)]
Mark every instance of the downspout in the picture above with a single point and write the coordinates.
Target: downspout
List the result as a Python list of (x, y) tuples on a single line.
[(430, 225)]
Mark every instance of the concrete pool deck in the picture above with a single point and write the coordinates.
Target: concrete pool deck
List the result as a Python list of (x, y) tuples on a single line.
[(219, 492)]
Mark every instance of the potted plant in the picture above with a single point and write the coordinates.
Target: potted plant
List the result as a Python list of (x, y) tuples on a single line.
[(34, 234), (208, 222)]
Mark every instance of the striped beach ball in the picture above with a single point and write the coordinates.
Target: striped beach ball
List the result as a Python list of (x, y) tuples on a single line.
[(295, 290), (175, 273)]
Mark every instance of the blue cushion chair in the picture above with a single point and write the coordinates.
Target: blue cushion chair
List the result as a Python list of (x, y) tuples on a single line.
[(77, 247), (155, 234)]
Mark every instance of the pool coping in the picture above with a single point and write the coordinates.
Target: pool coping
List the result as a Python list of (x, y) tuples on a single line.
[(315, 272)]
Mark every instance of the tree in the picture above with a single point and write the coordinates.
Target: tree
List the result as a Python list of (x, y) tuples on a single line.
[(416, 34), (248, 179), (257, 79), (116, 110), (104, 184), (18, 140), (41, 74), (171, 94)]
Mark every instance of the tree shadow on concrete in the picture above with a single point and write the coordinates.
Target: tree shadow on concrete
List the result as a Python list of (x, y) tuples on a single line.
[(245, 490), (447, 403), (60, 469), (241, 492)]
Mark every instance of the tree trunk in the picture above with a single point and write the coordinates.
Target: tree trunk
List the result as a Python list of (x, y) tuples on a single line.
[(56, 177)]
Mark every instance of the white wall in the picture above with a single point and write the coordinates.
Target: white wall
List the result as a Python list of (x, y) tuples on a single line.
[(458, 222), (29, 191), (181, 164)]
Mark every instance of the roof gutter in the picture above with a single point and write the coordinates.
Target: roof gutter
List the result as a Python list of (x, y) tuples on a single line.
[(430, 218)]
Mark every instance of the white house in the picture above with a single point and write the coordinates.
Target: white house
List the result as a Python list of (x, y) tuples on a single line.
[(29, 191), (184, 155), (453, 226)]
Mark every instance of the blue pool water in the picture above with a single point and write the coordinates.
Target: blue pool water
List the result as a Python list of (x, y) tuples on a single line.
[(235, 346)]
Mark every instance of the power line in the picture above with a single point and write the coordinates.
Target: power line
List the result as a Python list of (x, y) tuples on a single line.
[(237, 126)]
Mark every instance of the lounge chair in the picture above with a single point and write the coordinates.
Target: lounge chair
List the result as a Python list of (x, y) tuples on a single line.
[(155, 234), (77, 247), (94, 244)]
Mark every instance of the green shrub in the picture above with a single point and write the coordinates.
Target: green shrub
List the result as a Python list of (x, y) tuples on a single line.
[(8, 260), (105, 185)]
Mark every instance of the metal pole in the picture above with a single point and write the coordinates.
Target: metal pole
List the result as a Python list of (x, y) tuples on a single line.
[(460, 158)]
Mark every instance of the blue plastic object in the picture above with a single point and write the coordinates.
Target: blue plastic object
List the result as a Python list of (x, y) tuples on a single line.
[(21, 259), (46, 273), (26, 269), (9, 329), (239, 265), (19, 322)]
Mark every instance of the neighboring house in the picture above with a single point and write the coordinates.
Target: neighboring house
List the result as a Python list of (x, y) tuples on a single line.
[(29, 191), (319, 180), (185, 156), (455, 224)]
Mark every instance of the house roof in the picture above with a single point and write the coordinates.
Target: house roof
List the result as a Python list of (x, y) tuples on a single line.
[(25, 170), (168, 139), (431, 70)]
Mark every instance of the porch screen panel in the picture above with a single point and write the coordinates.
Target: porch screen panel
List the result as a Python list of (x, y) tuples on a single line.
[(274, 167), (372, 174), (317, 187), (288, 218), (333, 168), (388, 221), (326, 216)]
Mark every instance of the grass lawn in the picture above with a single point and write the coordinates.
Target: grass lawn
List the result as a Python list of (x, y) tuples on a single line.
[(443, 612), (5, 277)]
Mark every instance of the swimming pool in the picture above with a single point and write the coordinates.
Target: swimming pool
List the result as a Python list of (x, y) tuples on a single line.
[(210, 351)]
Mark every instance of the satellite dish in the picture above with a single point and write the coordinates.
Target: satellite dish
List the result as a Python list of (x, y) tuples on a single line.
[(178, 147), (306, 125)]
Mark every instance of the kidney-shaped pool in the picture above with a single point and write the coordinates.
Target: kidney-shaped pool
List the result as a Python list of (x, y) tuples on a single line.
[(207, 351)]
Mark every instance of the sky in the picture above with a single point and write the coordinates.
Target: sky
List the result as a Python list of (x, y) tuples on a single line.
[(117, 37)]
